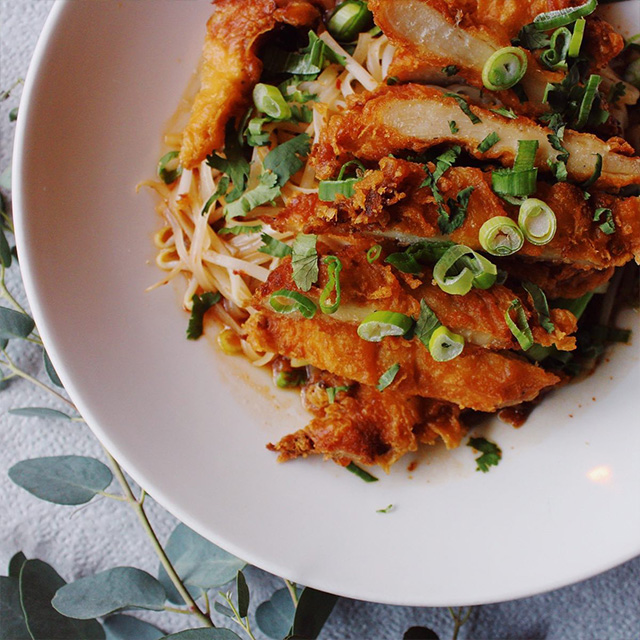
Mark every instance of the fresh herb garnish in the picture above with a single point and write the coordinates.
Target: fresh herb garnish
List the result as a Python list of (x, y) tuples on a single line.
[(391, 81), (291, 379), (387, 509), (388, 377), (333, 391), (201, 304), (332, 288), (273, 247), (266, 191), (530, 38), (453, 127), (234, 164), (520, 326), (488, 142), (450, 70), (427, 323), (361, 473), (490, 451), (616, 92), (597, 171), (284, 160), (304, 261), (240, 229), (448, 223), (608, 226), (464, 105), (256, 137), (164, 173), (507, 113), (541, 305), (374, 253), (221, 189), (418, 253)]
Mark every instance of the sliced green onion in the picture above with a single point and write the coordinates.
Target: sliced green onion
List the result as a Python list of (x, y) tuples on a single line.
[(514, 183), (504, 68), (334, 267), (287, 301), (501, 236), (520, 327), (291, 379), (349, 19), (526, 155), (562, 17), (169, 175), (576, 38), (461, 268), (590, 90), (332, 392), (328, 190), (537, 221), (388, 377), (555, 57), (361, 473), (271, 102), (488, 142), (445, 345), (374, 253), (453, 127), (608, 226), (380, 324)]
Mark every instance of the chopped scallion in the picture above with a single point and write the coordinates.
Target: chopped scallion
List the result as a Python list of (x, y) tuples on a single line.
[(271, 102), (537, 221), (361, 473), (488, 142), (590, 91), (562, 17), (461, 268), (501, 236), (381, 324), (388, 377), (519, 327), (349, 19), (334, 266), (608, 226), (576, 38), (445, 345), (504, 68), (374, 253), (464, 105), (287, 301), (169, 175)]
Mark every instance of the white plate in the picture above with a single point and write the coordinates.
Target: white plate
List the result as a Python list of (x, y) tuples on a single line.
[(182, 418)]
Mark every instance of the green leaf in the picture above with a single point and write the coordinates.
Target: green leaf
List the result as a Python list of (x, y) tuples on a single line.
[(275, 616), (427, 323), (448, 223), (109, 591), (12, 624), (199, 563), (5, 179), (541, 305), (38, 584), (242, 591), (284, 160), (304, 261), (491, 453), (361, 473), (266, 191), (204, 634), (388, 377), (5, 250), (201, 304), (14, 324), (51, 372), (40, 412), (420, 633), (223, 609), (273, 247), (62, 479), (235, 165), (464, 105), (313, 610), (15, 564), (240, 229), (121, 627)]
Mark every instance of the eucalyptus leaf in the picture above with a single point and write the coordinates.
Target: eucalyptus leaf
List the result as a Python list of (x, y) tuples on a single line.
[(38, 584), (12, 624), (5, 179), (198, 562), (420, 633), (109, 591), (121, 627), (242, 591), (40, 412), (62, 479), (51, 372), (275, 616), (14, 324), (15, 564), (204, 633), (223, 609), (313, 610), (5, 250)]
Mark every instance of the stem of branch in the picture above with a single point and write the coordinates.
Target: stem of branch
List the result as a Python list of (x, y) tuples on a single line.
[(146, 525), (293, 591)]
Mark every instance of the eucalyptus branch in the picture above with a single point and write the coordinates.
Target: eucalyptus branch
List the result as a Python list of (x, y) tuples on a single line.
[(5, 293), (460, 617), (8, 362), (166, 563), (293, 591), (242, 622)]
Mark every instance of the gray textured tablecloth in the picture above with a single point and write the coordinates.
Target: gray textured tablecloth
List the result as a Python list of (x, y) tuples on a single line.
[(104, 534)]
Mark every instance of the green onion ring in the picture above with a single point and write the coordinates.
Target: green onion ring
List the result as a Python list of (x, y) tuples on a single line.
[(576, 38), (271, 102), (349, 19), (476, 271), (504, 68), (555, 57), (520, 328), (562, 17), (374, 253), (537, 221), (328, 190), (501, 236), (380, 324), (445, 345), (169, 175), (293, 301), (334, 267)]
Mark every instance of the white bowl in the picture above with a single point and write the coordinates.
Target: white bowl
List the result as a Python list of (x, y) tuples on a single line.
[(190, 424)]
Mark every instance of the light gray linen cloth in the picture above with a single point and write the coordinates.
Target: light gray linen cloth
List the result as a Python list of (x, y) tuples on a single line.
[(83, 541)]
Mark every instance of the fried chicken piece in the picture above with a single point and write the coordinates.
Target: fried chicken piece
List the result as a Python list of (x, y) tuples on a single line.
[(367, 426), (231, 68), (479, 378), (432, 34), (389, 202), (416, 118)]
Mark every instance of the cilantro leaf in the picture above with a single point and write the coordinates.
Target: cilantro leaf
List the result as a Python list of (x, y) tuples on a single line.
[(240, 229), (234, 164), (449, 222), (222, 188), (201, 304), (464, 105), (507, 113), (304, 261), (541, 305), (530, 37), (273, 247), (608, 226), (490, 451), (284, 160), (266, 191), (427, 323)]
